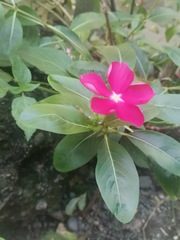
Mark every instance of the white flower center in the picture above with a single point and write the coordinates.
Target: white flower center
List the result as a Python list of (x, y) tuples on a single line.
[(116, 97)]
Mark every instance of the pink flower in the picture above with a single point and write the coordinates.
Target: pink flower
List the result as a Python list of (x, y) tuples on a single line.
[(123, 98)]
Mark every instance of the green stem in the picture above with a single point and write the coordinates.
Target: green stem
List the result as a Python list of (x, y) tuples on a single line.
[(113, 6), (173, 88), (53, 13), (63, 10), (37, 82), (105, 10), (132, 7), (47, 90)]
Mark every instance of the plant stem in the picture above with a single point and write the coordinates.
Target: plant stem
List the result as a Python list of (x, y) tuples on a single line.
[(54, 13), (47, 90), (63, 10), (173, 88), (105, 10), (113, 6), (132, 7)]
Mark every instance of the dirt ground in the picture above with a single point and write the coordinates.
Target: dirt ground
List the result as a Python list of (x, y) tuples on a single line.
[(157, 218)]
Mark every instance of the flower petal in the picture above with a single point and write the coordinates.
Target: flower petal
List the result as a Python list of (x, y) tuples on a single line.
[(95, 84), (137, 94), (120, 76), (130, 113), (103, 106)]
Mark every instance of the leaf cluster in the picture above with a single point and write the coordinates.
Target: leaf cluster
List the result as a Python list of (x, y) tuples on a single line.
[(63, 53)]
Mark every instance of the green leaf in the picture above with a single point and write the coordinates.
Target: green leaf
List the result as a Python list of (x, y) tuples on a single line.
[(56, 118), (48, 60), (163, 15), (1, 13), (21, 73), (72, 38), (25, 88), (82, 201), (29, 87), (170, 32), (71, 206), (11, 36), (168, 106), (69, 85), (75, 150), (79, 202), (70, 99), (5, 76), (178, 5), (19, 104), (72, 92), (142, 63), (83, 6), (149, 111), (157, 87), (4, 87), (162, 148), (89, 20), (169, 182), (123, 52), (174, 54), (31, 37), (77, 68), (140, 159), (27, 20), (120, 18), (62, 234), (117, 180)]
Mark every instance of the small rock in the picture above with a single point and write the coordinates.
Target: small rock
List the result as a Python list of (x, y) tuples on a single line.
[(61, 228), (39, 139), (175, 238), (57, 215), (145, 182), (72, 223), (41, 205)]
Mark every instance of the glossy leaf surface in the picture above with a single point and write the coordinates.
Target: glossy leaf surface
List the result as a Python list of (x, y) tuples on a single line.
[(89, 20), (48, 60), (19, 104), (174, 54), (20, 71), (168, 106), (55, 118), (117, 180), (123, 52), (169, 182), (75, 150), (162, 148)]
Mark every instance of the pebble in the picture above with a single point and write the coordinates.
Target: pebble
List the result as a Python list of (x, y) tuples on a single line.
[(145, 182), (72, 224), (175, 238), (41, 205), (57, 215)]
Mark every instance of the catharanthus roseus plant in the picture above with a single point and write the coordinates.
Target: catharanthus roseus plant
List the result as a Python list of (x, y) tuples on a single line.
[(102, 113), (91, 118)]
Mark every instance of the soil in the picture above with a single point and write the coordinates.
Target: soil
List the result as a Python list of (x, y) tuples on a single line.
[(33, 195)]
